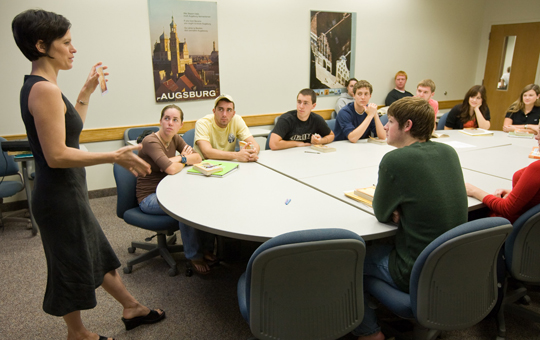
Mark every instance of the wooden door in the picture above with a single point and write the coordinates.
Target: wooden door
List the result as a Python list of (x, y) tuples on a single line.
[(524, 65)]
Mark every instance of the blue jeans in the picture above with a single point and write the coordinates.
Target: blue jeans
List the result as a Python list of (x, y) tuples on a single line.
[(196, 242), (376, 265)]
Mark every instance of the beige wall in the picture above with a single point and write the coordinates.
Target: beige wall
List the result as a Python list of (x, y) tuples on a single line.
[(264, 54)]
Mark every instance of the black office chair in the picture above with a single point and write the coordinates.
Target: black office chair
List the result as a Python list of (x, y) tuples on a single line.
[(128, 209), (133, 133), (304, 285), (522, 259), (8, 188), (453, 282)]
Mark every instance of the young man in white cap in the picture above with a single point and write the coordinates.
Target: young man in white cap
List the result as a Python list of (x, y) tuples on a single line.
[(216, 134)]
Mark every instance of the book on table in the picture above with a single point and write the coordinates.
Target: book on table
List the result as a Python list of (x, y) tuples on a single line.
[(376, 140), (535, 153), (363, 195), (322, 148), (439, 135), (213, 168), (477, 132), (520, 133)]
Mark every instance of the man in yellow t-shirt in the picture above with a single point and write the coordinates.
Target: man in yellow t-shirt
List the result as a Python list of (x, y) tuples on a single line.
[(216, 134)]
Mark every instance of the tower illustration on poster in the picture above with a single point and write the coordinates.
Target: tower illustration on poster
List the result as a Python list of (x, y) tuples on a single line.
[(185, 55), (332, 44)]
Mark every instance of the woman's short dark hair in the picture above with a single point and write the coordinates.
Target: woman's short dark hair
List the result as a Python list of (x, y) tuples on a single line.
[(35, 24)]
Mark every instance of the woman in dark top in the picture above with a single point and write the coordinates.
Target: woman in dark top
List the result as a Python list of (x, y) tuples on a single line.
[(524, 113), (472, 113), (79, 256)]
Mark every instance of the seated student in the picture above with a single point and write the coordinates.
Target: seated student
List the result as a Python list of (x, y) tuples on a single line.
[(426, 90), (301, 127), (216, 134), (399, 91), (413, 191), (346, 97), (472, 113), (524, 112), (513, 203), (159, 149), (359, 119)]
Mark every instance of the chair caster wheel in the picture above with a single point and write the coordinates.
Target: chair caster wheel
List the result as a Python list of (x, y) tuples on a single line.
[(127, 270), (525, 300), (173, 272), (131, 250), (189, 272)]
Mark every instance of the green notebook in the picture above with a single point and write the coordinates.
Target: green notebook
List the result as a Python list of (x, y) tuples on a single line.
[(228, 167)]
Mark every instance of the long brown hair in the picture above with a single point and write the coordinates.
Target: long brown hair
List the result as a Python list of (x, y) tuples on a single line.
[(519, 105), (464, 115)]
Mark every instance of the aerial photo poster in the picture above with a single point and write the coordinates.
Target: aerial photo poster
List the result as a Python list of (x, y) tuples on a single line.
[(184, 45), (332, 37)]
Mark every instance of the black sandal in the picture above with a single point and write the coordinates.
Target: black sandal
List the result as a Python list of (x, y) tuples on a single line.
[(101, 337), (149, 318)]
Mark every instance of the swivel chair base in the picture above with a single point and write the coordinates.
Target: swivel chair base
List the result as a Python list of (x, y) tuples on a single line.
[(12, 217), (164, 247), (513, 302)]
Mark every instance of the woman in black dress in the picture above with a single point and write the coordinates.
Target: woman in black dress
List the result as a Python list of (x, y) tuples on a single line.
[(79, 257)]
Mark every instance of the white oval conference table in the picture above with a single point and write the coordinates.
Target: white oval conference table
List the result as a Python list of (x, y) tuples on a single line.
[(250, 204)]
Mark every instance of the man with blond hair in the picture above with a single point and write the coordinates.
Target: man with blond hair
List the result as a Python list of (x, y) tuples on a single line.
[(426, 91), (399, 91), (420, 188)]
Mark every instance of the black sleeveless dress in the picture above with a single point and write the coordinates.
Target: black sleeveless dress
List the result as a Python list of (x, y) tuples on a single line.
[(78, 253)]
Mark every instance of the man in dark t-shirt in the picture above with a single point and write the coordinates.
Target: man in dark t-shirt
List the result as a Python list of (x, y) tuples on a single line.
[(301, 127), (399, 91)]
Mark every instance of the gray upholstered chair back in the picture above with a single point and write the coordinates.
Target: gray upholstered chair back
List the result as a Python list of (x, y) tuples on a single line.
[(304, 285)]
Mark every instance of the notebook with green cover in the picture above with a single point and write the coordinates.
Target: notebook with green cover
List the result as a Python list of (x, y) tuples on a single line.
[(228, 167)]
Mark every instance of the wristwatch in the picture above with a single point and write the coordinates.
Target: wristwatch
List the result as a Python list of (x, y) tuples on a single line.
[(183, 160)]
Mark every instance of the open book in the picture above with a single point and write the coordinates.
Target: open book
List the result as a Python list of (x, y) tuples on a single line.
[(213, 168), (438, 135), (477, 132)]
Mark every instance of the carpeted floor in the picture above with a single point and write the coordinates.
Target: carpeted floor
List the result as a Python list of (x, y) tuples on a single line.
[(198, 307)]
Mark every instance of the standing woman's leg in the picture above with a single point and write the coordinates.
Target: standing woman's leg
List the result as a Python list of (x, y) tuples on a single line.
[(76, 329), (112, 283)]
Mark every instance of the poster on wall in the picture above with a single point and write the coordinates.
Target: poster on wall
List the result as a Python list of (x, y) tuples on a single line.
[(185, 57), (332, 41)]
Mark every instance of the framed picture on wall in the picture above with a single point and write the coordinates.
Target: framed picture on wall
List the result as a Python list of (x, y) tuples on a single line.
[(184, 46), (332, 44)]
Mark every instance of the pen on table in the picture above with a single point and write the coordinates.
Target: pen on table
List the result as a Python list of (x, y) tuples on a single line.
[(311, 152), (287, 201)]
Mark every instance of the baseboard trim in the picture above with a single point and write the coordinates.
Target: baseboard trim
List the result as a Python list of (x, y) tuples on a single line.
[(18, 205)]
